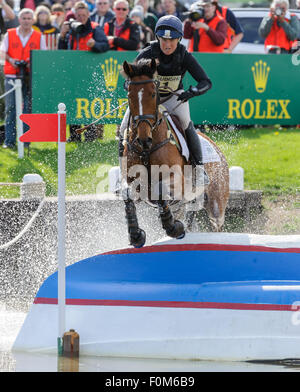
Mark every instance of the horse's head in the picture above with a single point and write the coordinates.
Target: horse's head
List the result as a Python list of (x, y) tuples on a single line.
[(143, 99)]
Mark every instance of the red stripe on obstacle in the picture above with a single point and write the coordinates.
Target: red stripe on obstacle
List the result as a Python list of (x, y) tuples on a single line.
[(195, 247), (167, 304)]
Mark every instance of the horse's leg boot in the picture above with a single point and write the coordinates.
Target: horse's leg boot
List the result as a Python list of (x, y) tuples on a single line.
[(194, 146), (137, 236)]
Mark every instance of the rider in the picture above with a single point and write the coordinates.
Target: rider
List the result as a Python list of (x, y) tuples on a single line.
[(173, 62)]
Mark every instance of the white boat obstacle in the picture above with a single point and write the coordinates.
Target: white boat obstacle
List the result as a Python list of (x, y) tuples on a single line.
[(218, 296)]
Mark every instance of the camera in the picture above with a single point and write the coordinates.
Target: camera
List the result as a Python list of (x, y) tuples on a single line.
[(278, 11), (196, 14), (22, 65), (76, 27)]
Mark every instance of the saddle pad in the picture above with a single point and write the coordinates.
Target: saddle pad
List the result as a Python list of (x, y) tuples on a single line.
[(184, 148), (209, 153)]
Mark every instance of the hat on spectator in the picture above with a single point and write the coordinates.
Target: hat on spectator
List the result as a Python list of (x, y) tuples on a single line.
[(203, 2), (137, 11)]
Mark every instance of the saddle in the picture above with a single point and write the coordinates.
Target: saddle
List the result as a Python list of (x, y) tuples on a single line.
[(176, 132)]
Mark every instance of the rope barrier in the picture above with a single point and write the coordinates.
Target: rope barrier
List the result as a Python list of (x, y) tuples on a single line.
[(8, 92), (26, 227)]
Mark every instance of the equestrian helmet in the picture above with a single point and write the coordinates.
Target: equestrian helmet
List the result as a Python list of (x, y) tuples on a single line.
[(169, 26)]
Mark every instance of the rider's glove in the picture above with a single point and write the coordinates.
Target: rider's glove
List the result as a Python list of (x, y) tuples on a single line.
[(190, 93)]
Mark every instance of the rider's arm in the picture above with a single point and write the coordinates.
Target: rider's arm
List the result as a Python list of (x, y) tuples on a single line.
[(198, 73)]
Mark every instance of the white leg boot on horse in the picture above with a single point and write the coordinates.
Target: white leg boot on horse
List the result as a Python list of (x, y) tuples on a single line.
[(194, 146)]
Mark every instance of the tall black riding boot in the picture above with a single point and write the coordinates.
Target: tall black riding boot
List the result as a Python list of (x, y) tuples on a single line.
[(194, 146)]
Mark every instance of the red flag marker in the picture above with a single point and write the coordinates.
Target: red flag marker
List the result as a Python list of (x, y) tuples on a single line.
[(44, 127)]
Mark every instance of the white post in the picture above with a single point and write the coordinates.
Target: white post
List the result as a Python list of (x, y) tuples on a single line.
[(19, 122), (61, 231)]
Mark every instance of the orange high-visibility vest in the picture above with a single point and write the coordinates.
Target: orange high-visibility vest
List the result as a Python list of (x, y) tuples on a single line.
[(81, 44), (205, 42), (278, 37), (17, 51), (108, 30), (230, 31)]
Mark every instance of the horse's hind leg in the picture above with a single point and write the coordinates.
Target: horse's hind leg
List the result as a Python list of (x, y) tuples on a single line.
[(174, 228)]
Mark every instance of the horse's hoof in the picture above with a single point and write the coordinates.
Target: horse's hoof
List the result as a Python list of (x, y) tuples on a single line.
[(138, 240), (181, 236), (177, 230)]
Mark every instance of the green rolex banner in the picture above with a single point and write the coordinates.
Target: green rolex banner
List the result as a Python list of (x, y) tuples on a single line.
[(247, 89)]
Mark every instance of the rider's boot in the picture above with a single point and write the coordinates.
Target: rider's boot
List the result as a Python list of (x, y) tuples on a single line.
[(194, 146)]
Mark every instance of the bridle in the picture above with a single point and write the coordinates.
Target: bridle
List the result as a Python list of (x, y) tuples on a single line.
[(152, 120), (137, 120)]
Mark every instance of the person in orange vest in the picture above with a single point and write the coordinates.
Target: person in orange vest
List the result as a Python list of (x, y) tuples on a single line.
[(280, 28), (235, 32), (15, 48), (209, 32), (83, 34), (122, 33)]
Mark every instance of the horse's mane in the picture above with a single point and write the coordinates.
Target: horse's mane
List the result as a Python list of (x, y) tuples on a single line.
[(142, 67)]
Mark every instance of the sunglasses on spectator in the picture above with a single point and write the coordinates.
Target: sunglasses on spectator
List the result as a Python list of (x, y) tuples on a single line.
[(102, 3), (68, 9), (121, 9)]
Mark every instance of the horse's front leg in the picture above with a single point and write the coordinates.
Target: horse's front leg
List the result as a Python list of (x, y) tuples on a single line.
[(174, 228), (137, 236)]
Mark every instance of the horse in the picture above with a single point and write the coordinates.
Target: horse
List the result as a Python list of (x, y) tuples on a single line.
[(148, 144)]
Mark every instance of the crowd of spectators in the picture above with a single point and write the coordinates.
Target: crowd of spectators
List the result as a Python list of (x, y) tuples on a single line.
[(103, 25), (127, 25)]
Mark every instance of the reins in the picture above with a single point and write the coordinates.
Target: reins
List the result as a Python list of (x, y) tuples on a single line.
[(80, 130)]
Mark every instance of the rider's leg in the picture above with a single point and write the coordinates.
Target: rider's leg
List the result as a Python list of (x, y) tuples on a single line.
[(122, 129), (182, 111), (194, 145)]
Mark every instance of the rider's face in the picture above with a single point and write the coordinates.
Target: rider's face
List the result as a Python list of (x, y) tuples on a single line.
[(167, 45)]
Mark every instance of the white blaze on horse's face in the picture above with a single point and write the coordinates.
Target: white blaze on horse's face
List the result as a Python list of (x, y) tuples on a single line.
[(140, 95)]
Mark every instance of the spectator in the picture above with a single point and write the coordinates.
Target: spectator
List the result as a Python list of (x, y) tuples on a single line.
[(69, 9), (102, 12), (169, 8), (150, 19), (90, 4), (122, 33), (235, 31), (207, 34), (146, 34), (32, 4), (88, 36), (57, 15), (16, 46), (42, 23), (280, 28), (8, 18)]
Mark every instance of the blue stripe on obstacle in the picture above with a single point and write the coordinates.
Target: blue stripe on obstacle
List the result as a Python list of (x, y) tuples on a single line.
[(197, 276)]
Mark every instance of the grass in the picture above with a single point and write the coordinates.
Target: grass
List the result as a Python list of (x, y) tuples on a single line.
[(87, 165), (270, 158)]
